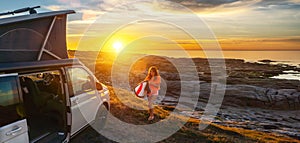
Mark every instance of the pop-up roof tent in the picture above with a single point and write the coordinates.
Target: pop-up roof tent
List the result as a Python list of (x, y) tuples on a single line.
[(34, 37)]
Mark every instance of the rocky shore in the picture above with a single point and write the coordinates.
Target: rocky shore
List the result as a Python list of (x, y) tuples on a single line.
[(253, 100)]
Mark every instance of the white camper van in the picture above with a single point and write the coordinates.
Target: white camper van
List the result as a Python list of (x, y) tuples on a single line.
[(44, 95)]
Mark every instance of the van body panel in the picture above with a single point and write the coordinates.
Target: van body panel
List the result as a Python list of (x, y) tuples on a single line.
[(16, 132)]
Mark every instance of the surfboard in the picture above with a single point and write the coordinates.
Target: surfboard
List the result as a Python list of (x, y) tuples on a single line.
[(139, 90)]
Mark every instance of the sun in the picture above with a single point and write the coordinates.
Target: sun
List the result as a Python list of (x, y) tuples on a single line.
[(117, 46)]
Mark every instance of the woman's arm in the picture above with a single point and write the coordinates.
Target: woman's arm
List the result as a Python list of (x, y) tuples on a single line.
[(155, 83)]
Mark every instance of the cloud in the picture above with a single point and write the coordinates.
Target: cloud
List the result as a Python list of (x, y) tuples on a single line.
[(195, 5), (282, 40), (103, 5), (274, 4), (227, 18), (204, 5), (93, 8), (236, 5), (88, 9), (260, 40), (83, 6), (72, 3)]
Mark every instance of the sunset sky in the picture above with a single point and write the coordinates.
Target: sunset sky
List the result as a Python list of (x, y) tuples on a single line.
[(237, 24)]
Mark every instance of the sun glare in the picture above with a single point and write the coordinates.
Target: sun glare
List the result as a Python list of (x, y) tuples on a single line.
[(117, 46)]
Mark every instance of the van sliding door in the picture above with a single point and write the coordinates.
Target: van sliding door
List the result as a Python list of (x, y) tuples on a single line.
[(13, 125)]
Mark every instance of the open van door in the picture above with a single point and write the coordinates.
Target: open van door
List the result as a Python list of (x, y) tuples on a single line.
[(13, 125), (84, 97)]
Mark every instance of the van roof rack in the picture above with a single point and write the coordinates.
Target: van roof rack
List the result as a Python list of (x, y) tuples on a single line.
[(30, 9)]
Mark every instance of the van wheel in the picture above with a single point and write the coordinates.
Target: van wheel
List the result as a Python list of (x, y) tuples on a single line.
[(101, 118)]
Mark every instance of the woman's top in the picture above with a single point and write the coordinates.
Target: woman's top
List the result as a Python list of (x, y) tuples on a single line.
[(154, 84)]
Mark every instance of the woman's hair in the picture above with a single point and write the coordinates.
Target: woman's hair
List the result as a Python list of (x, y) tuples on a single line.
[(156, 73)]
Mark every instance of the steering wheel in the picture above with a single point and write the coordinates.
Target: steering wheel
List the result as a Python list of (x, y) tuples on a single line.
[(48, 78)]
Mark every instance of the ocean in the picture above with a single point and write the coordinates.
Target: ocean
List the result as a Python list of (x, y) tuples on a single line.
[(279, 57), (285, 57)]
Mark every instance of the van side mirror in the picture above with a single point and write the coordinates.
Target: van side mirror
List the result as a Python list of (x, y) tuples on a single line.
[(99, 86)]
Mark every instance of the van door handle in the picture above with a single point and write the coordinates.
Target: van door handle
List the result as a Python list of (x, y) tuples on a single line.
[(14, 131)]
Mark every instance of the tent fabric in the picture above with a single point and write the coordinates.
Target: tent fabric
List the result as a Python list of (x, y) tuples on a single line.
[(22, 38)]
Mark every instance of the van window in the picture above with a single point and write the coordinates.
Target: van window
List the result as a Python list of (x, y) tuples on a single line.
[(10, 107), (80, 81)]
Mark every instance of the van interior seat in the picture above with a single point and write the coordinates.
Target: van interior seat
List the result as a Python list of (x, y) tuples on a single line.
[(34, 99), (33, 95)]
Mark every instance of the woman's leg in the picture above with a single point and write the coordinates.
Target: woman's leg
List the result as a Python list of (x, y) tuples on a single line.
[(151, 114), (151, 99)]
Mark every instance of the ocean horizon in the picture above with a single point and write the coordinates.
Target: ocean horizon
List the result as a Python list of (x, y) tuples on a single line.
[(284, 57), (277, 56)]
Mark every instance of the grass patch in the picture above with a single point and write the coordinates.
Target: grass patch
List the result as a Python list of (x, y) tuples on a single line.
[(137, 114)]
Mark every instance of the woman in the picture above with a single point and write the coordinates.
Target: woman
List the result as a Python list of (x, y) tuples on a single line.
[(153, 79)]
